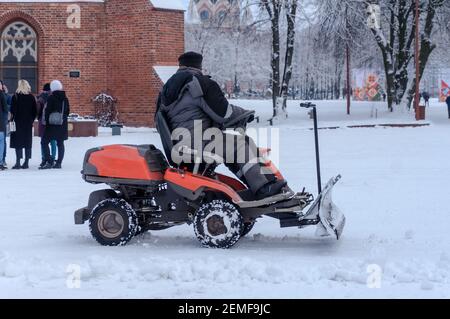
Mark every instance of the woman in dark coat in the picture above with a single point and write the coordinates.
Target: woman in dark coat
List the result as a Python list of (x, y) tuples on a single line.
[(57, 102), (23, 113), (448, 105), (3, 120), (4, 89)]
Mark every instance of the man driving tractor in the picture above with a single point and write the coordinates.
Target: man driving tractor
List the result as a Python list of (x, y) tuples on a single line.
[(192, 101), (150, 191)]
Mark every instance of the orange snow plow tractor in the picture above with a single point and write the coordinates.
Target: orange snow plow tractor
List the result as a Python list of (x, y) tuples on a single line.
[(147, 193)]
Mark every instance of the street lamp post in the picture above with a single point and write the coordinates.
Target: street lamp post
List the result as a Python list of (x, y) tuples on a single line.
[(417, 60), (347, 49)]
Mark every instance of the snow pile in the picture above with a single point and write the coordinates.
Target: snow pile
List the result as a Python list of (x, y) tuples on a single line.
[(160, 4), (51, 1), (165, 72), (103, 98), (249, 277), (168, 4), (332, 114)]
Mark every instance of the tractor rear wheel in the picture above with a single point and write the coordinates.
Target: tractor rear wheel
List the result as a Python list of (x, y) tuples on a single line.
[(113, 222)]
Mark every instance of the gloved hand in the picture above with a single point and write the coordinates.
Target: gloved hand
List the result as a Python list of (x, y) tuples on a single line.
[(240, 118)]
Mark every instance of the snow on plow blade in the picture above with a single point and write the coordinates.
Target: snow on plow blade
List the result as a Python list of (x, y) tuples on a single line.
[(332, 221)]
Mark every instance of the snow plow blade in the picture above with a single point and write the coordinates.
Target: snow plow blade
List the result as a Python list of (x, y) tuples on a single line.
[(332, 221)]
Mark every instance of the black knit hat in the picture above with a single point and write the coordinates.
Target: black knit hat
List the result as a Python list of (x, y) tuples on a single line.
[(46, 87), (191, 59)]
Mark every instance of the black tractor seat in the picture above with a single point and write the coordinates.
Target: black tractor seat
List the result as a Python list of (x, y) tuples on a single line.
[(204, 164)]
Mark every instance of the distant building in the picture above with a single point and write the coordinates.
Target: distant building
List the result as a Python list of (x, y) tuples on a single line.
[(226, 13)]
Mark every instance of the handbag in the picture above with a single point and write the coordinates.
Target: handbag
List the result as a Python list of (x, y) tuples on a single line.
[(57, 118), (12, 126)]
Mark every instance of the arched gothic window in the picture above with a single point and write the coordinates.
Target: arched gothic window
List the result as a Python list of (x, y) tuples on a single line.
[(222, 15), (18, 55), (204, 15)]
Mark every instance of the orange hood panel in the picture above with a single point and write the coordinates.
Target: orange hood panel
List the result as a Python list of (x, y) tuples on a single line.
[(122, 161)]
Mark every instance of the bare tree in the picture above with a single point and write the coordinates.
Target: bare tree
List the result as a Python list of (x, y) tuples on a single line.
[(234, 48), (427, 46), (393, 26), (280, 80), (341, 27)]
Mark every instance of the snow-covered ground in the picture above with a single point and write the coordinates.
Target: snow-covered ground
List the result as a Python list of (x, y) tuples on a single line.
[(394, 193)]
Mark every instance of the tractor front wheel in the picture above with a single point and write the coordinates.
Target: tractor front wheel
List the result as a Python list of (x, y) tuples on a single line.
[(218, 224), (248, 227)]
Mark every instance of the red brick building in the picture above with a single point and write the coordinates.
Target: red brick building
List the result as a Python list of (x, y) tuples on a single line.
[(93, 46)]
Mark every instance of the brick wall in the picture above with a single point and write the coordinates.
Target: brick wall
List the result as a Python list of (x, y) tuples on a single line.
[(139, 38), (115, 49)]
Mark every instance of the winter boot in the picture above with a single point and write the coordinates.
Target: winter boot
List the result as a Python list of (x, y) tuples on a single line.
[(25, 164), (42, 164), (17, 166), (57, 165), (48, 165)]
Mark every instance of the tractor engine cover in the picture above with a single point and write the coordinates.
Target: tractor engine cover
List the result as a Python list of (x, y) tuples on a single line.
[(131, 162)]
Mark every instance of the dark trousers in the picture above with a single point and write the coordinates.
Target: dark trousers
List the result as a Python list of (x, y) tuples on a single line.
[(244, 161), (19, 153), (2, 146), (46, 149), (448, 106), (240, 155), (4, 152), (52, 152), (3, 159)]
